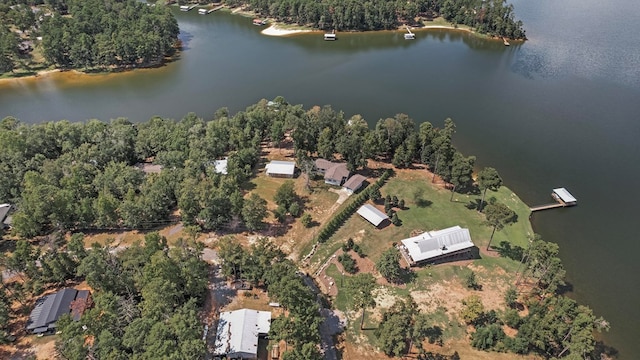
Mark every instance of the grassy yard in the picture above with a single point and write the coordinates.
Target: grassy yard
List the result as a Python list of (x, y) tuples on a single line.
[(429, 207)]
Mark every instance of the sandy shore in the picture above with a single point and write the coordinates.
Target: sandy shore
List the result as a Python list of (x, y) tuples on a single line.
[(43, 73), (274, 30)]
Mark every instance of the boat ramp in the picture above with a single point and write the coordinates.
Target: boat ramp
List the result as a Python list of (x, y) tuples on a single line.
[(562, 197)]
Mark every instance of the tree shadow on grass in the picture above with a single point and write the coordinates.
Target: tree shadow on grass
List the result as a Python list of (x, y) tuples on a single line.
[(505, 249), (423, 203)]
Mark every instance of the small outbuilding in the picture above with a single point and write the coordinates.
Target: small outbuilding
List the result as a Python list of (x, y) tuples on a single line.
[(334, 173), (354, 183), (220, 166), (437, 245), (239, 331), (50, 308), (372, 215), (278, 168)]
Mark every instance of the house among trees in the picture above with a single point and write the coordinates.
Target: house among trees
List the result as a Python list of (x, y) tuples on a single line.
[(239, 331), (50, 308), (373, 215), (221, 166), (5, 217), (431, 246), (278, 168), (334, 173), (354, 183)]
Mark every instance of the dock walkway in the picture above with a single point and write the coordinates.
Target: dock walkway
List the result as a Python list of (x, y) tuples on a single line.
[(547, 206)]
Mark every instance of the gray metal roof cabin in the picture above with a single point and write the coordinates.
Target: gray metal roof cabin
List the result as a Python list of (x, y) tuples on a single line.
[(50, 308)]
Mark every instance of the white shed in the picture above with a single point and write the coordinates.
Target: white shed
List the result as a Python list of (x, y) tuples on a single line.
[(372, 215), (281, 168)]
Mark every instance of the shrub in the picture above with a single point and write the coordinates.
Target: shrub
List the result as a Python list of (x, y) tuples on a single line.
[(348, 263), (295, 209), (306, 220)]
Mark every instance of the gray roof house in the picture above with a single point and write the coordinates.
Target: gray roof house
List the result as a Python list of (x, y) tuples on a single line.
[(50, 308), (238, 333), (5, 218), (354, 183), (334, 173)]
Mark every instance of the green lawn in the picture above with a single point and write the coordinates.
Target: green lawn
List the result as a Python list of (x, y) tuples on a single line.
[(429, 208)]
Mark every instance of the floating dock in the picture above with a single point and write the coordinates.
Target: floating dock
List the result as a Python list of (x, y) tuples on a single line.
[(187, 7), (562, 197), (330, 36), (409, 35)]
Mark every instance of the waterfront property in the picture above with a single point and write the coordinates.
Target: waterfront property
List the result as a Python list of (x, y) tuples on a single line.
[(334, 173), (50, 308), (354, 183), (373, 215), (431, 246), (238, 333), (278, 168)]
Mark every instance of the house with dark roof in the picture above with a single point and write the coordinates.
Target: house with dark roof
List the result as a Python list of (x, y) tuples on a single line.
[(334, 173), (354, 183), (50, 308)]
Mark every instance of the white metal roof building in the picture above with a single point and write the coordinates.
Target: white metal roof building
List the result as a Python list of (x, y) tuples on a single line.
[(565, 196), (372, 215), (238, 332), (281, 168), (221, 166), (432, 245)]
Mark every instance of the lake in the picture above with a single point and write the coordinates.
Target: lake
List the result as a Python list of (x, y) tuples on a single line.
[(560, 110)]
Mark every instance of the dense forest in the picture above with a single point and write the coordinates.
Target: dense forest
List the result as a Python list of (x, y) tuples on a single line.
[(86, 34), (146, 297), (69, 176), (492, 17)]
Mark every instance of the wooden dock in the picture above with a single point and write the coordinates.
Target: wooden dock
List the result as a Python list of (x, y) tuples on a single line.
[(547, 206), (562, 197)]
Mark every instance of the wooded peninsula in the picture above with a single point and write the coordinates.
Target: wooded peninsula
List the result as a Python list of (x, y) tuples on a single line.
[(491, 17), (110, 35), (288, 240)]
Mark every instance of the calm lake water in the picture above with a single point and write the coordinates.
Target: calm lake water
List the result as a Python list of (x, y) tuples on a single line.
[(560, 110)]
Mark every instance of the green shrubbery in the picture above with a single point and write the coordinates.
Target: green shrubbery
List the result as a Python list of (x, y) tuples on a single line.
[(334, 224)]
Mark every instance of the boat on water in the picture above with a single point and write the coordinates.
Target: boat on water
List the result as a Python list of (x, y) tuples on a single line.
[(330, 36), (504, 40), (259, 22)]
